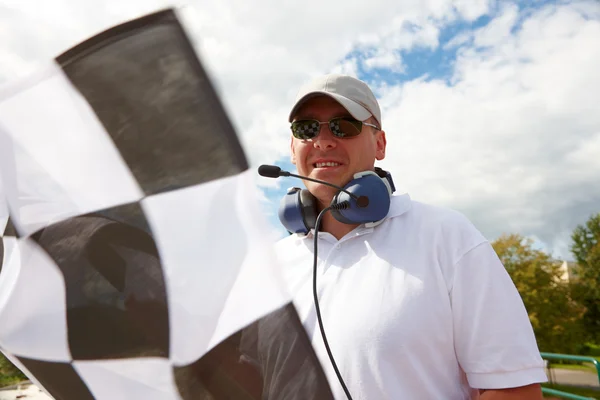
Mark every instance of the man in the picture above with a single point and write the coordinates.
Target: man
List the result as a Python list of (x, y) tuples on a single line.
[(417, 306)]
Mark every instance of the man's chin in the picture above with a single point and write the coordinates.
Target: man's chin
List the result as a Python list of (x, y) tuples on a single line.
[(328, 174), (322, 192)]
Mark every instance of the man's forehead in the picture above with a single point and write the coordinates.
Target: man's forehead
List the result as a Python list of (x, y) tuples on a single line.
[(319, 105)]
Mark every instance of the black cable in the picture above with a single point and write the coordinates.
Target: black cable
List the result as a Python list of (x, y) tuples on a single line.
[(339, 206)]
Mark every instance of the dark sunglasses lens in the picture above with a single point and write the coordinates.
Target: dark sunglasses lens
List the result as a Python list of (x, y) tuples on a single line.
[(345, 127), (305, 129)]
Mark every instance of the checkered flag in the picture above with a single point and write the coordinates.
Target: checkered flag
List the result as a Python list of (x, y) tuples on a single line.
[(138, 267), (7, 232)]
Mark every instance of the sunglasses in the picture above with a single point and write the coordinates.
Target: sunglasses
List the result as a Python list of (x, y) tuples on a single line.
[(341, 127)]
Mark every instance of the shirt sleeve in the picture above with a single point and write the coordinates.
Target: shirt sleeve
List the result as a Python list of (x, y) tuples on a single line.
[(494, 339)]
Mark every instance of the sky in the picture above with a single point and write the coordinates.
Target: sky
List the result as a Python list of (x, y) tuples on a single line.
[(489, 107)]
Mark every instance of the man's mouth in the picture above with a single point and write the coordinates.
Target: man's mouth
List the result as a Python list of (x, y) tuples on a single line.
[(326, 164)]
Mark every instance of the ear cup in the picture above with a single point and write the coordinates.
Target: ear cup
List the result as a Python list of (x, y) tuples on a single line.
[(298, 208), (367, 184), (308, 204), (298, 211)]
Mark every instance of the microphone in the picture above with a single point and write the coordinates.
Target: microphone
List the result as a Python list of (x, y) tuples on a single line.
[(273, 171)]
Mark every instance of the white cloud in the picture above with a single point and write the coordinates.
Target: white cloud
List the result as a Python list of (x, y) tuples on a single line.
[(499, 29), (346, 67), (471, 10), (458, 40), (390, 60), (586, 157)]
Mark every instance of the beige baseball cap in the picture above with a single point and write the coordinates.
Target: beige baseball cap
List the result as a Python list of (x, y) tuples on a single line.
[(353, 94)]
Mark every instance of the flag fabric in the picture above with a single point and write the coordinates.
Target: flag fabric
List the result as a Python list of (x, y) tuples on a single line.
[(7, 233), (134, 264)]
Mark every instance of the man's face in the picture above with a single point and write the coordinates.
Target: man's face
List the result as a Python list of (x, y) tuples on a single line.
[(348, 155)]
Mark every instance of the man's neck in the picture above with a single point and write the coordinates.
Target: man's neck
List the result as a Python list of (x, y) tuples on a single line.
[(333, 226)]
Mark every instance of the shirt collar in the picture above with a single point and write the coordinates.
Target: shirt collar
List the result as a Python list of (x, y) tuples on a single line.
[(399, 204)]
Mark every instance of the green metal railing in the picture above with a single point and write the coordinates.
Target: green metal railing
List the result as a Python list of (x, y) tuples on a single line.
[(564, 395), (568, 357)]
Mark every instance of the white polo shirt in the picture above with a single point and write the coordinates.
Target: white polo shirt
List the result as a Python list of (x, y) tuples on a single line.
[(418, 307)]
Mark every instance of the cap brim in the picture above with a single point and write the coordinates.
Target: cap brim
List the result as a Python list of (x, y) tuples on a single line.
[(355, 109)]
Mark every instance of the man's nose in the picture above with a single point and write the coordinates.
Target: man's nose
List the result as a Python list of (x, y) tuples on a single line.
[(325, 139)]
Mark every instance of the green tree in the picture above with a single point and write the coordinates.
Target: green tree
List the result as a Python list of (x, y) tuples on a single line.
[(9, 374), (586, 249), (553, 313)]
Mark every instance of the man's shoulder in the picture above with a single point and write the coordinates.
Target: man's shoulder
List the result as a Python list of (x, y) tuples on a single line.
[(434, 215), (436, 223)]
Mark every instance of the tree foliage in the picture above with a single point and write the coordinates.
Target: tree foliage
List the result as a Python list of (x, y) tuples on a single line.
[(553, 313), (586, 249), (9, 373)]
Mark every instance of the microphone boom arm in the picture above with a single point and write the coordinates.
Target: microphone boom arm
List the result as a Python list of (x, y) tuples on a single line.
[(355, 197), (273, 171)]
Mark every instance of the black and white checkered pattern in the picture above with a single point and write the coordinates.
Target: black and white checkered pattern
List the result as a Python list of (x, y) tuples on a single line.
[(140, 270), (334, 126), (7, 232), (307, 129)]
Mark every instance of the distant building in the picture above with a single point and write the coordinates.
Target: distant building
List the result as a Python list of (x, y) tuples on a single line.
[(567, 269)]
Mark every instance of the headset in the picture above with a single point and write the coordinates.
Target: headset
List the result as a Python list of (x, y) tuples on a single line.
[(368, 196)]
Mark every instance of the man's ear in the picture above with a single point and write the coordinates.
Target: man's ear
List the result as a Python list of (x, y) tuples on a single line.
[(380, 145), (292, 152)]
